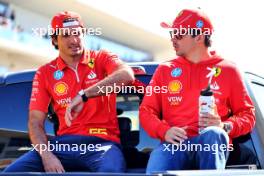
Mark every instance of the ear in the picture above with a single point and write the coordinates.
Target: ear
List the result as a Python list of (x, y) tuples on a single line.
[(54, 40)]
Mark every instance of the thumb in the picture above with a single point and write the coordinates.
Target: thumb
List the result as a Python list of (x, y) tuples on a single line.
[(67, 121), (185, 127), (68, 117)]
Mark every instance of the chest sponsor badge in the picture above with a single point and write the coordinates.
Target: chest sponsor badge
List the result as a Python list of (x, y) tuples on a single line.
[(214, 86), (61, 88), (92, 75), (91, 63), (58, 74), (199, 24), (176, 72), (64, 102), (175, 100), (175, 86), (217, 71)]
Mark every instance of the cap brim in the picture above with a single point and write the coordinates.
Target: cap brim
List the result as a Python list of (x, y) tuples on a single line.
[(165, 25)]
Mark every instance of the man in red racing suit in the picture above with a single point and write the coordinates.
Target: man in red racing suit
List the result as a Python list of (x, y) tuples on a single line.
[(75, 85), (173, 116)]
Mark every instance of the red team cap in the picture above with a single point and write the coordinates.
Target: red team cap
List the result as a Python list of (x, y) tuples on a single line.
[(190, 19), (66, 19)]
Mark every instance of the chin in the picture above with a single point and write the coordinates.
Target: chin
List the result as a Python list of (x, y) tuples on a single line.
[(179, 54)]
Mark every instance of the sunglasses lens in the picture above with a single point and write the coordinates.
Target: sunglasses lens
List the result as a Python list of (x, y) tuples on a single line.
[(175, 34), (171, 34), (179, 37)]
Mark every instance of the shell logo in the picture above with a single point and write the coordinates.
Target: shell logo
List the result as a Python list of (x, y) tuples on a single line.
[(175, 86), (61, 88)]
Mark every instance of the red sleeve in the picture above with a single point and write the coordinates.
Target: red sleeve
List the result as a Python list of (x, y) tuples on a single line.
[(243, 119), (150, 110), (109, 61), (40, 97)]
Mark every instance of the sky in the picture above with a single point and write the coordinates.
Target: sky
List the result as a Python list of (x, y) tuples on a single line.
[(238, 24)]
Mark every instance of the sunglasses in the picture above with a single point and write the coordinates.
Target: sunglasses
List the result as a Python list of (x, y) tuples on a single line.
[(176, 34)]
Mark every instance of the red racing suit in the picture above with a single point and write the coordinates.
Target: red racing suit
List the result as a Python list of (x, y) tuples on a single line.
[(58, 84), (178, 105)]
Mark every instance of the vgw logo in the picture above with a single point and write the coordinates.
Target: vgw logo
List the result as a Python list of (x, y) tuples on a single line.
[(64, 102), (175, 100)]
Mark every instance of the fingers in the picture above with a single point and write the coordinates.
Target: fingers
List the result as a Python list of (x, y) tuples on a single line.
[(76, 111), (68, 117), (73, 109), (205, 121), (175, 139), (179, 134), (60, 169), (172, 141), (178, 139), (74, 115), (176, 135), (210, 116), (55, 168), (184, 128), (52, 164)]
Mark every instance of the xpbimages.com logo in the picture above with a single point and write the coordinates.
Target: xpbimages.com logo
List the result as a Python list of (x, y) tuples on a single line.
[(214, 148), (116, 89), (181, 31), (81, 148), (43, 31)]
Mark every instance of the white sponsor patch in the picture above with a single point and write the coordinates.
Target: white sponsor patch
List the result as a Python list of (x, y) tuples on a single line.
[(214, 86), (175, 100), (35, 83), (35, 90), (64, 102), (92, 75), (71, 23)]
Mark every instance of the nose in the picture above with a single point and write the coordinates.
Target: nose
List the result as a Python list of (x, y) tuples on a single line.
[(174, 39), (74, 39)]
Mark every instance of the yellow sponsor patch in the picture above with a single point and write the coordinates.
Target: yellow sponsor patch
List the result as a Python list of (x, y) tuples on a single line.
[(91, 63), (98, 131), (175, 86), (217, 71), (61, 88)]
